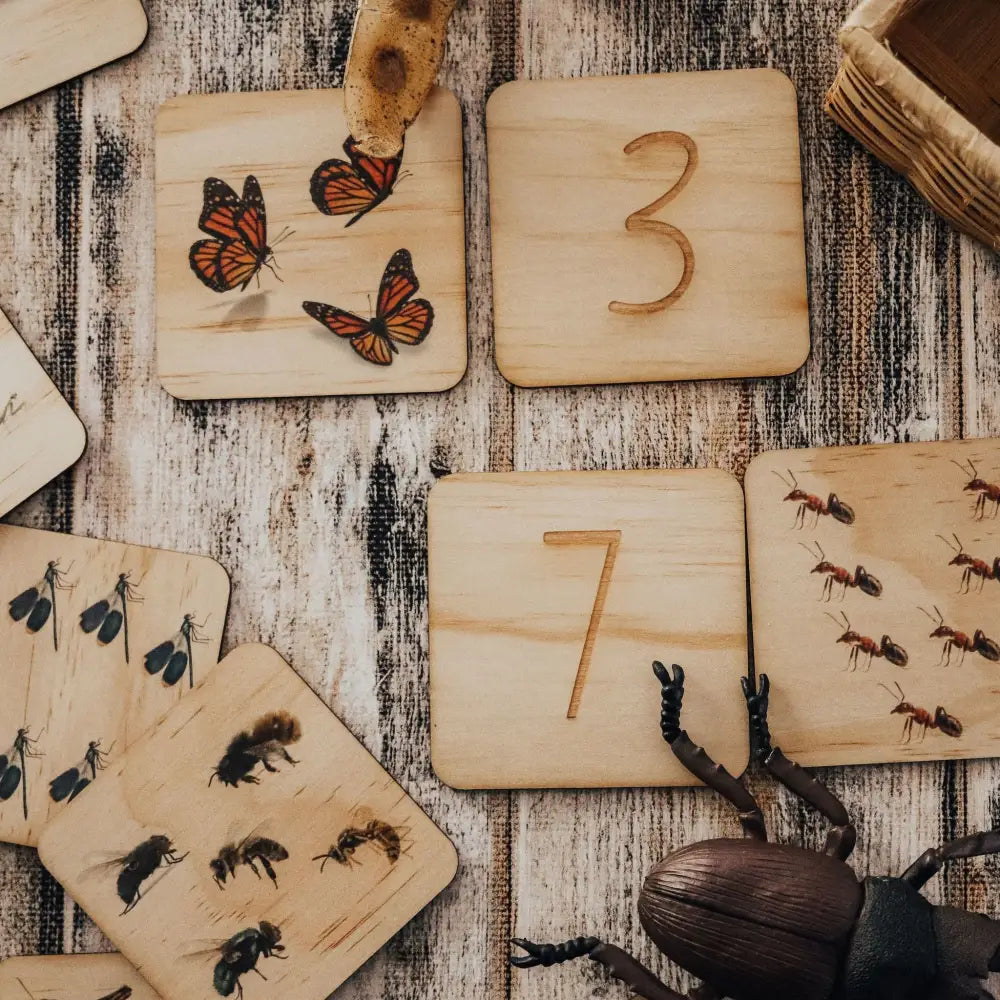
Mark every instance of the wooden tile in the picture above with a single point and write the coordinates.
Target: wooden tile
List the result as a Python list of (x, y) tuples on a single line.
[(261, 342), (72, 977), (908, 504), (95, 686), (551, 593), (45, 42), (708, 281), (40, 436), (332, 913)]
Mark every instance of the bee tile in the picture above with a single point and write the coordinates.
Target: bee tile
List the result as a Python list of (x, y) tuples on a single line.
[(253, 819), (72, 977)]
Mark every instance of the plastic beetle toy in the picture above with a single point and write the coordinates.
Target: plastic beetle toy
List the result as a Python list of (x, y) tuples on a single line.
[(761, 921)]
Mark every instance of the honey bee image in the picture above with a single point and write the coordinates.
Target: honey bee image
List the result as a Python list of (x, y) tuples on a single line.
[(140, 864), (262, 743), (250, 851), (388, 839), (240, 955)]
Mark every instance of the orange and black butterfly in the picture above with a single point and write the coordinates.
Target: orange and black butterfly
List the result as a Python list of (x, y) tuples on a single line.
[(239, 247), (354, 188), (399, 318)]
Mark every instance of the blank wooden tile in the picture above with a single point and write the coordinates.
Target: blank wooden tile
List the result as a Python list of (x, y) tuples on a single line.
[(72, 977), (331, 915), (706, 168), (85, 690), (40, 436), (831, 703), (260, 342), (45, 42), (551, 593)]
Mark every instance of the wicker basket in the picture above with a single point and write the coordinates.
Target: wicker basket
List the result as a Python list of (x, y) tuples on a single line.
[(910, 127)]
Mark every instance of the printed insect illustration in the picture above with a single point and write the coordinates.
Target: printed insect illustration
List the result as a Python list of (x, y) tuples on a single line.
[(174, 656), (122, 993), (388, 839), (355, 186), (891, 651), (971, 567), (755, 920), (988, 492), (140, 864), (833, 507), (238, 249), (399, 318), (941, 720), (241, 953), (860, 579), (14, 768), (109, 616), (75, 779), (38, 603), (250, 851), (979, 643), (262, 743)]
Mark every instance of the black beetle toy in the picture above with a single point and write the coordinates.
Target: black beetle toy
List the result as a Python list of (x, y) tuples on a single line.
[(760, 921)]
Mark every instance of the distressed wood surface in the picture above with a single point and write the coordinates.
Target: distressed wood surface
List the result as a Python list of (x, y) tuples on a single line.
[(317, 507)]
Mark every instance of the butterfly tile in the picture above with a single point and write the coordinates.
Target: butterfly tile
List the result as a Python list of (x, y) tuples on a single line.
[(45, 42), (40, 436), (248, 833), (72, 977), (647, 228), (98, 640), (288, 264)]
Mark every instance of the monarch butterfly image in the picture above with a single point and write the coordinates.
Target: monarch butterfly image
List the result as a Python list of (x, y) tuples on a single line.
[(239, 247), (339, 187), (399, 318)]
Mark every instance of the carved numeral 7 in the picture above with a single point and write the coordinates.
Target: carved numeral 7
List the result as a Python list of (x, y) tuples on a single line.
[(639, 221), (610, 539)]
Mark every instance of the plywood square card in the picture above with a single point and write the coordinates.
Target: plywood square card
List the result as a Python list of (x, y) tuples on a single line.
[(72, 977), (264, 841), (98, 640), (551, 593), (45, 42), (647, 228), (875, 579), (40, 436), (289, 264)]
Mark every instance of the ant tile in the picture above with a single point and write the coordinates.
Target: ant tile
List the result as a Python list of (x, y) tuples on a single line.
[(99, 640), (46, 42), (551, 593), (875, 577), (40, 436), (290, 264), (72, 977), (252, 819), (647, 228)]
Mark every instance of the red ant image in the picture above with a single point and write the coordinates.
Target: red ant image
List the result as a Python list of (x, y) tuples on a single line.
[(834, 506), (843, 578), (948, 724), (988, 492), (980, 643), (971, 566), (859, 644)]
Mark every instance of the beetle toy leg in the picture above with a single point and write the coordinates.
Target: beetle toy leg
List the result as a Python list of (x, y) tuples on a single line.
[(620, 964), (931, 862), (841, 839), (698, 762)]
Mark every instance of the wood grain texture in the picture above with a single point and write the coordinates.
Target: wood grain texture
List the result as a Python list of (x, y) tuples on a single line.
[(316, 783), (520, 564), (590, 287), (260, 342), (71, 977), (40, 436), (44, 43), (829, 706), (326, 541)]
